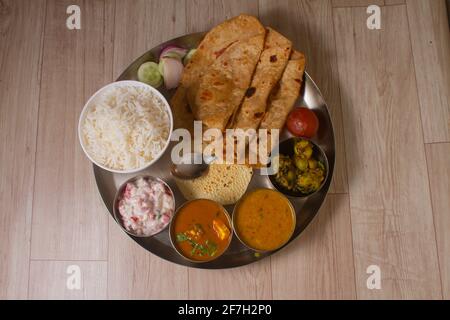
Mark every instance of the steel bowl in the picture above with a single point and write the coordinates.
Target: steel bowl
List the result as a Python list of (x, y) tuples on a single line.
[(91, 102), (116, 213), (294, 217), (172, 235), (286, 147)]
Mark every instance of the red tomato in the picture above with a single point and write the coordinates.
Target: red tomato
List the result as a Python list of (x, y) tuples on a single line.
[(302, 122)]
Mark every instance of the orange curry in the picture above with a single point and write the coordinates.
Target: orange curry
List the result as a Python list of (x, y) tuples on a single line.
[(201, 230)]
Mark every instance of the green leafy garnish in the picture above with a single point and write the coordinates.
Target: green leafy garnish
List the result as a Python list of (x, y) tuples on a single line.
[(321, 165), (211, 247), (197, 248), (182, 237)]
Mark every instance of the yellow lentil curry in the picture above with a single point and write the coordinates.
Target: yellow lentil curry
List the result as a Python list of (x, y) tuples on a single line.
[(264, 220)]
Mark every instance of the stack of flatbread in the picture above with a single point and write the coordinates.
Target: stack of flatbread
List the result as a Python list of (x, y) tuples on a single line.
[(242, 76)]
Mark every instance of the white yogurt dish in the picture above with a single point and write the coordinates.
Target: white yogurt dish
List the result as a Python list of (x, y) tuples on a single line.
[(144, 206)]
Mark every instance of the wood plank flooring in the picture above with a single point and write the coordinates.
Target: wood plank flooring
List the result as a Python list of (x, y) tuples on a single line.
[(388, 92), (391, 213), (20, 75)]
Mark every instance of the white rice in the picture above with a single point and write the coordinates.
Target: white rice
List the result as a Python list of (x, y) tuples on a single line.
[(126, 127)]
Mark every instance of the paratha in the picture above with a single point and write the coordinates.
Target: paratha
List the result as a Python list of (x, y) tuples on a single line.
[(222, 87), (215, 43), (282, 99), (182, 114), (271, 65)]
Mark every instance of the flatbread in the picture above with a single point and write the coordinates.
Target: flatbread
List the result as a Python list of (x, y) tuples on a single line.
[(222, 87), (282, 99), (182, 114), (215, 43), (273, 61)]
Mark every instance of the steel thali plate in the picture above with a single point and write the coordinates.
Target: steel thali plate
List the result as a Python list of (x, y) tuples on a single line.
[(237, 254)]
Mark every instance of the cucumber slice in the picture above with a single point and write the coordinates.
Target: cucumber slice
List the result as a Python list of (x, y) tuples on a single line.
[(148, 73), (188, 56), (161, 67)]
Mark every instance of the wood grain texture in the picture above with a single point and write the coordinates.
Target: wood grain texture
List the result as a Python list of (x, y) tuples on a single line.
[(134, 273), (48, 280), (430, 38), (447, 2), (392, 220), (319, 264), (438, 157), (356, 3), (393, 2), (69, 220), (365, 3), (20, 63), (202, 15), (250, 282)]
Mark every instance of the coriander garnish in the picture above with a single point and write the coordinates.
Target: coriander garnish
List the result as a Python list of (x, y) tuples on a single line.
[(197, 248)]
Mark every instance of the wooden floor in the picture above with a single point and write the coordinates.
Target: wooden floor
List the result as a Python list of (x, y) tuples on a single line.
[(389, 95)]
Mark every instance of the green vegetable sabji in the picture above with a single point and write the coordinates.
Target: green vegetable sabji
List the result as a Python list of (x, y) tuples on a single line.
[(301, 172)]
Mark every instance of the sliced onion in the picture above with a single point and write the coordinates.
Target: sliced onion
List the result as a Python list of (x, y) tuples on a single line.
[(173, 52), (172, 70)]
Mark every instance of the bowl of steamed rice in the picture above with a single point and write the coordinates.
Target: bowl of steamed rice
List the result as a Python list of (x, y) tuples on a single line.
[(125, 126)]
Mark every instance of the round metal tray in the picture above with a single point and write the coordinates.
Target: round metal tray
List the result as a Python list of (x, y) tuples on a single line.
[(237, 254)]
